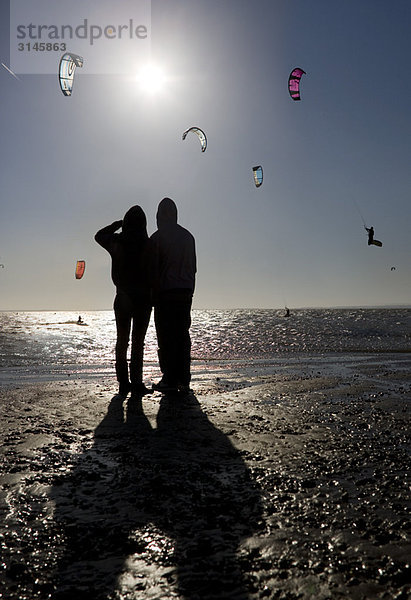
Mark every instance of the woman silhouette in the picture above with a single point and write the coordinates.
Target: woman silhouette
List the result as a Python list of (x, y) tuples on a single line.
[(132, 304)]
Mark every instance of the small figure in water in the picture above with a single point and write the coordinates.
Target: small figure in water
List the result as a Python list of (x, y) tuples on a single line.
[(79, 320), (287, 312), (371, 240)]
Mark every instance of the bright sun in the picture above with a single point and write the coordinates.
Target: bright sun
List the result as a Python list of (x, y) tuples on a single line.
[(151, 78)]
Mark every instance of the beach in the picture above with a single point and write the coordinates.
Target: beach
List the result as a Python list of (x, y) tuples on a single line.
[(274, 479)]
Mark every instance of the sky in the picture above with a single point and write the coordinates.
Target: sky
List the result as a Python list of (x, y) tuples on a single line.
[(336, 159)]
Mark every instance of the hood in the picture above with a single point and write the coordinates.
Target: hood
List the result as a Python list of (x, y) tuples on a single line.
[(134, 221), (134, 226), (166, 213)]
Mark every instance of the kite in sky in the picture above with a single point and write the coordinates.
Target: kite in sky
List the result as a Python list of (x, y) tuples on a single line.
[(10, 71), (80, 268), (294, 83), (68, 64), (258, 175), (201, 136)]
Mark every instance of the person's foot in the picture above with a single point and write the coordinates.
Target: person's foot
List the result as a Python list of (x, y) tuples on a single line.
[(163, 386), (139, 389)]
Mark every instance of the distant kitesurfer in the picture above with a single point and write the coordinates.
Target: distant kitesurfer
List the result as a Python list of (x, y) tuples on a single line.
[(370, 231), (79, 320), (371, 240), (287, 312)]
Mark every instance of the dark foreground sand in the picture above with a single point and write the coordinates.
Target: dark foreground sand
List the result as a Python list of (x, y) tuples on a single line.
[(277, 481)]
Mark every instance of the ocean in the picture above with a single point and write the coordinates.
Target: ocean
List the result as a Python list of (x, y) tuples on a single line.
[(46, 345)]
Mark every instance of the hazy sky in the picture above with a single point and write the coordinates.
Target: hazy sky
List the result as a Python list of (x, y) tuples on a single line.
[(71, 165)]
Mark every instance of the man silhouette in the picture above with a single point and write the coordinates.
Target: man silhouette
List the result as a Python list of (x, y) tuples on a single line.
[(173, 279)]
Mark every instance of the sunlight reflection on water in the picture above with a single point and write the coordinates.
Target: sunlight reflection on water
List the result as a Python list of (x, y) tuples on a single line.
[(55, 338)]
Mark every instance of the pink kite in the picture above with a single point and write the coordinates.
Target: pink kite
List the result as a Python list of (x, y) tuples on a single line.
[(294, 83)]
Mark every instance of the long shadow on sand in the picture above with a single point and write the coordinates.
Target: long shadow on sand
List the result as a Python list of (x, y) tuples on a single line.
[(156, 512)]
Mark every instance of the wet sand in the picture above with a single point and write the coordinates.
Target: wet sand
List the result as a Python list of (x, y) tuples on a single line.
[(286, 480)]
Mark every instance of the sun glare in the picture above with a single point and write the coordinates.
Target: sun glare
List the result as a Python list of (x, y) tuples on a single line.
[(151, 79)]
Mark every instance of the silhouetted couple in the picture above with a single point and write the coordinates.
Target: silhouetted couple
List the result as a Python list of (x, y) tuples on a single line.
[(151, 272)]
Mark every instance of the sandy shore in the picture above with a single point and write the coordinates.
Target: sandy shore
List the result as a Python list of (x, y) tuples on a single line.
[(286, 480)]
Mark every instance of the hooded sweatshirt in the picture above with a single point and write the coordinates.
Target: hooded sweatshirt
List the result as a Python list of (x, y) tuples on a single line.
[(174, 257), (129, 253)]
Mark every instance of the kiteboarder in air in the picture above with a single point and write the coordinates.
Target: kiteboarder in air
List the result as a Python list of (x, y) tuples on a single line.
[(371, 240), (370, 231)]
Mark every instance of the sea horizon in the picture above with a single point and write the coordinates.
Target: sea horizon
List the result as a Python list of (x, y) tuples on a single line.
[(291, 306)]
